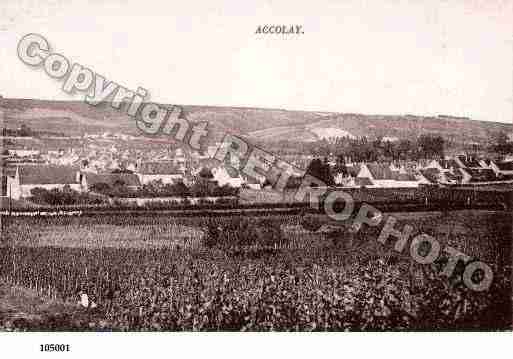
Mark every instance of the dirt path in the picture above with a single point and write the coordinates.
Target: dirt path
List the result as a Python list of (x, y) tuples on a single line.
[(23, 309)]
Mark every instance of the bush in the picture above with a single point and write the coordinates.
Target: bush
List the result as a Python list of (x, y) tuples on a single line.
[(237, 232), (227, 201), (205, 202), (311, 223), (64, 197)]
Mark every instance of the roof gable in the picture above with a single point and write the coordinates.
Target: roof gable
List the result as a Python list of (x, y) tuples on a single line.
[(505, 166), (481, 175), (469, 162), (448, 164), (47, 174), (431, 174), (380, 172)]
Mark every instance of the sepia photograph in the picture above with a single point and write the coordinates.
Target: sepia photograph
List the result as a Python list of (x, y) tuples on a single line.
[(211, 168)]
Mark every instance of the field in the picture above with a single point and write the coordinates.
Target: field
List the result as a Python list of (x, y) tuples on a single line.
[(152, 272)]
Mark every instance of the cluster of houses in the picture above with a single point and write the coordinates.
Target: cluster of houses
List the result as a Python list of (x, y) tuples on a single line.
[(19, 179), (459, 170)]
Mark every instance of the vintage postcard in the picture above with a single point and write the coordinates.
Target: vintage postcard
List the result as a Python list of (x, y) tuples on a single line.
[(274, 166)]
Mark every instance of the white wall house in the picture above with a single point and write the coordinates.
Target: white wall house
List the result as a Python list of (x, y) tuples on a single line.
[(227, 176), (47, 176), (382, 177), (166, 171)]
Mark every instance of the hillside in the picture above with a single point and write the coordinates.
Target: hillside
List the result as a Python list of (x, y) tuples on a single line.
[(76, 118)]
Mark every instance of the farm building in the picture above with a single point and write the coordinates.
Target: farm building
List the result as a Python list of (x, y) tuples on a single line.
[(48, 177)]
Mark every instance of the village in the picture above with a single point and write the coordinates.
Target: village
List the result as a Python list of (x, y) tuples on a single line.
[(115, 165)]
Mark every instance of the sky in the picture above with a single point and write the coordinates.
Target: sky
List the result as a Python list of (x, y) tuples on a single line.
[(376, 57)]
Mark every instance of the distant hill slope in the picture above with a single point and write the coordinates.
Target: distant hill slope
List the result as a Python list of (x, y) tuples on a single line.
[(263, 124)]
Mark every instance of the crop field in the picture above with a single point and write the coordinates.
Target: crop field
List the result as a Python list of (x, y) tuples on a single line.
[(153, 272)]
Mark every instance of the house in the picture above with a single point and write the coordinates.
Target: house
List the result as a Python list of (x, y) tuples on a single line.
[(382, 176), (5, 173), (434, 164), (3, 192), (130, 180), (353, 169), (502, 169), (451, 164), (339, 178), (389, 139), (48, 177), (358, 182), (485, 163), (465, 161), (227, 176), (432, 175), (455, 175), (252, 183), (346, 174), (393, 167), (446, 171), (179, 156), (473, 175), (166, 171)]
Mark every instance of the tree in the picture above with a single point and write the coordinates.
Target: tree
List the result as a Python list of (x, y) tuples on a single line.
[(340, 166), (203, 188), (321, 170), (100, 188), (121, 170), (178, 189), (25, 131), (431, 146), (240, 232), (119, 183), (205, 173), (500, 143), (293, 182), (405, 150)]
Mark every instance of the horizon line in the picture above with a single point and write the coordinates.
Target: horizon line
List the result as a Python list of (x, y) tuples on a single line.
[(249, 107)]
